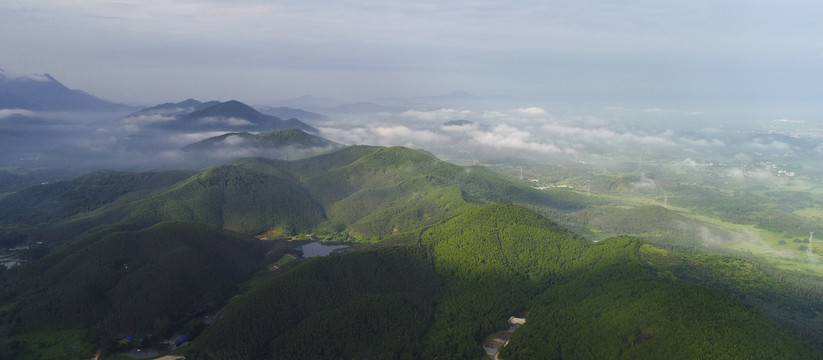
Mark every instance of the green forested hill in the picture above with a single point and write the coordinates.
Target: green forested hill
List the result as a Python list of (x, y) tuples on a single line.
[(368, 192), (611, 304), (493, 259), (295, 138), (447, 254), (389, 190), (50, 202), (368, 304), (234, 198), (229, 197), (38, 206), (615, 299), (116, 282)]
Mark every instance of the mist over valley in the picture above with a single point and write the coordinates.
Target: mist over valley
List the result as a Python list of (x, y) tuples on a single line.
[(426, 180)]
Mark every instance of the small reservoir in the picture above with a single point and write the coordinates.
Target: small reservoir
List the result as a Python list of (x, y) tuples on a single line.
[(318, 249)]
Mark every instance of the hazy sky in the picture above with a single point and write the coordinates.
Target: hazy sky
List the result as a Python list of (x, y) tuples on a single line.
[(615, 52)]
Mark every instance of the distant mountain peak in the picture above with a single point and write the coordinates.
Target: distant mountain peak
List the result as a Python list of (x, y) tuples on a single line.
[(277, 139), (229, 116), (285, 112), (231, 108), (173, 109), (234, 103), (48, 77), (460, 94), (44, 92), (189, 102)]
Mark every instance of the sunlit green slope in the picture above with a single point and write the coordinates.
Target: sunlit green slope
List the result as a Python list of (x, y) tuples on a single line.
[(32, 208), (366, 192), (618, 298), (447, 254)]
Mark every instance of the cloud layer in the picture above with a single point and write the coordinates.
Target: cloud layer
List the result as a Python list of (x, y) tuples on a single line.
[(529, 132)]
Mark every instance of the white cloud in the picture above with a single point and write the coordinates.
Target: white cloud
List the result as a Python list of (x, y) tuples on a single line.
[(186, 139), (13, 76), (136, 123), (789, 121), (4, 113), (233, 140), (532, 111), (385, 136), (437, 115), (773, 146), (703, 142), (238, 122), (38, 77), (606, 136), (97, 145), (462, 128), (507, 137), (530, 130), (495, 115), (653, 110), (147, 119), (232, 121)]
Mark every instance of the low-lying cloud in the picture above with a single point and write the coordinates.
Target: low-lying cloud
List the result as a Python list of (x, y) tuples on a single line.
[(231, 121), (439, 115), (532, 111), (527, 132), (522, 132), (397, 135), (4, 113)]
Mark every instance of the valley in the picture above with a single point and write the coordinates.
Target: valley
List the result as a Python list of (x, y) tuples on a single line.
[(216, 180), (443, 256), (247, 236)]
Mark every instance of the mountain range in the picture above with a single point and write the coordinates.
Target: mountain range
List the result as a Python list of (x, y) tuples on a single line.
[(192, 115), (173, 109), (440, 261), (292, 138), (284, 144), (285, 112), (45, 93)]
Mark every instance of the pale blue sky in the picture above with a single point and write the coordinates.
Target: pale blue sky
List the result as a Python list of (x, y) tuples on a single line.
[(605, 52)]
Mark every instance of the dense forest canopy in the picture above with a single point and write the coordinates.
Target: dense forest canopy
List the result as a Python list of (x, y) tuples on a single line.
[(442, 256)]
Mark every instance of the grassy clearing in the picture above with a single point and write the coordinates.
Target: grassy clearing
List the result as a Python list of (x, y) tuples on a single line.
[(768, 246), (810, 213), (285, 260), (63, 344)]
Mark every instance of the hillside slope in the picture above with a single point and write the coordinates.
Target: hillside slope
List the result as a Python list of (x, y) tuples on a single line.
[(115, 281), (445, 254), (361, 192), (581, 300)]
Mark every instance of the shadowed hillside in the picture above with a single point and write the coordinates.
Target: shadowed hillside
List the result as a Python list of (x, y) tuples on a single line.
[(114, 281)]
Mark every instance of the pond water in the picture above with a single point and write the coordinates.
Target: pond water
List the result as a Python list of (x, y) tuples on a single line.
[(318, 249), (147, 353)]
